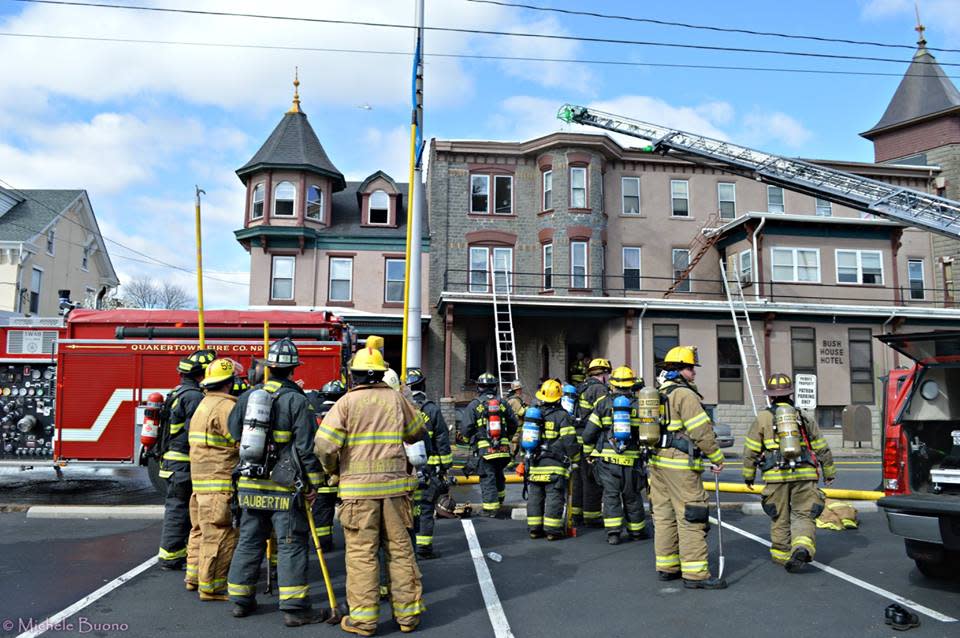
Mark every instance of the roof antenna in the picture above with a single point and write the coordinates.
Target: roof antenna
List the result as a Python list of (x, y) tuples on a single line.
[(296, 91), (922, 42)]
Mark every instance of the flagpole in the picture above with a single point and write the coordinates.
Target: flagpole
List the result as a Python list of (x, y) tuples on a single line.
[(411, 349)]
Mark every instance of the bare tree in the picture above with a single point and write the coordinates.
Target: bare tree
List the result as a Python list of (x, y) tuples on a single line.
[(143, 292), (173, 297)]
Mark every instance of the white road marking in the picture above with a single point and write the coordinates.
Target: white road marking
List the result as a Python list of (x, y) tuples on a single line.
[(926, 611), (501, 628), (49, 623)]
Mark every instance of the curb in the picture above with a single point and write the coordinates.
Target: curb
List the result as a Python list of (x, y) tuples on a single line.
[(129, 512), (519, 512)]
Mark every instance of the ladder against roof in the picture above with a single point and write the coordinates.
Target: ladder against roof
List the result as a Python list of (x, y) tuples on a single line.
[(911, 207), (747, 344), (702, 242), (501, 281)]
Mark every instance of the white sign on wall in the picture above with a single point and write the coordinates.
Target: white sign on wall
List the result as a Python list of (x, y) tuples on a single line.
[(805, 391), (32, 341)]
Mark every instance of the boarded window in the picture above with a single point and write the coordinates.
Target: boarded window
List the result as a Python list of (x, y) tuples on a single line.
[(729, 369)]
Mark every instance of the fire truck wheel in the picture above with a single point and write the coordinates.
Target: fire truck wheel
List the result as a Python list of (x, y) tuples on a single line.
[(153, 471)]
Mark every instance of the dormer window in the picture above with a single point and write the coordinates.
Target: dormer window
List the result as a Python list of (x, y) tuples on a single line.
[(283, 197), (379, 208), (256, 208), (315, 203)]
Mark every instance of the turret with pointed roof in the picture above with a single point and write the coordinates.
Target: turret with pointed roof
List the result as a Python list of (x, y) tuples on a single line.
[(923, 114)]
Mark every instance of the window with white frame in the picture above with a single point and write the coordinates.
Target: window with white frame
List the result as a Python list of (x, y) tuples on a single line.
[(547, 190), (341, 279), (578, 187), (394, 271), (379, 208), (51, 241), (502, 269), (578, 264), (860, 267), (548, 266), (679, 198), (746, 267), (775, 199), (796, 265), (630, 187), (281, 278), (315, 203), (824, 207), (284, 195), (256, 208), (503, 194), (727, 200), (915, 275), (480, 194), (681, 259), (631, 268), (479, 264), (36, 281)]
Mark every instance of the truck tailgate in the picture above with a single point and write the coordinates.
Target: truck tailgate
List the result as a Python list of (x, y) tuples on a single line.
[(922, 503)]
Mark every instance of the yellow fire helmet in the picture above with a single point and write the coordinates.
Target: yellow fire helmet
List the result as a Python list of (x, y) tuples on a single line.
[(598, 365), (550, 392), (218, 371), (685, 355), (623, 377), (779, 385), (368, 359), (375, 342)]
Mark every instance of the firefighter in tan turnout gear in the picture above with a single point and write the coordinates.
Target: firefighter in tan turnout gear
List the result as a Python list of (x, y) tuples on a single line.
[(213, 457), (362, 441), (787, 447), (679, 503)]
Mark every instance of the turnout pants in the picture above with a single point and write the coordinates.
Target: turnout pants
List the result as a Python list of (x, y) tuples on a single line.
[(323, 509), (586, 494), (545, 503), (292, 550), (493, 485), (793, 508), (366, 523), (680, 517), (210, 512), (176, 522), (621, 497), (424, 512)]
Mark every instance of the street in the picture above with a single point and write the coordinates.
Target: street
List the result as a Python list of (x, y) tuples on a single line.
[(578, 586)]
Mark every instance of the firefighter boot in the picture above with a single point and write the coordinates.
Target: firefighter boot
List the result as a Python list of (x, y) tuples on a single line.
[(301, 618), (797, 560), (613, 539), (350, 628), (709, 583), (242, 611)]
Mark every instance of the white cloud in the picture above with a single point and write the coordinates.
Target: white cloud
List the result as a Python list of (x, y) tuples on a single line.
[(941, 15), (391, 148), (765, 129)]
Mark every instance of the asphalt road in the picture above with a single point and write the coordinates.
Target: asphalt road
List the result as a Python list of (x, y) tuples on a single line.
[(579, 586)]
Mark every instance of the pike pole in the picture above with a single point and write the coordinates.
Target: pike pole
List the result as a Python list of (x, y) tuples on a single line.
[(203, 341)]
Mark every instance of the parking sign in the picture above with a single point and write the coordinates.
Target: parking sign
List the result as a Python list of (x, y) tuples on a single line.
[(805, 391)]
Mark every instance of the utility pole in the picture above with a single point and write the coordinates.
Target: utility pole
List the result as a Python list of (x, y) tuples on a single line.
[(412, 340), (203, 341)]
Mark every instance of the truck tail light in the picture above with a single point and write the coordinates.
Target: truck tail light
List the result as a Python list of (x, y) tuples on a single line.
[(894, 450)]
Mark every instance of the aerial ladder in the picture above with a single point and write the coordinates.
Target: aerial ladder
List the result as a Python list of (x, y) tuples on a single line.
[(904, 205)]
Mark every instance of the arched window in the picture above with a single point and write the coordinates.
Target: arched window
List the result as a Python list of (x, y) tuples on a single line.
[(314, 203), (379, 208), (256, 211), (283, 196)]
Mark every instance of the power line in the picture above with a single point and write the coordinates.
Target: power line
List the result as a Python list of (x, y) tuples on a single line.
[(153, 260), (704, 27), (466, 56), (514, 34)]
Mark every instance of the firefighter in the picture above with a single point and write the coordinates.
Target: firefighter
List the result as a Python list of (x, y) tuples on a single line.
[(433, 480), (679, 503), (175, 464), (266, 505), (788, 447), (326, 503), (518, 405), (361, 440), (586, 491), (578, 370), (213, 457), (488, 426), (552, 454), (611, 435)]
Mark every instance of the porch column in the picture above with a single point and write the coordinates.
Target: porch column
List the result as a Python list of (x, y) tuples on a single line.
[(447, 349)]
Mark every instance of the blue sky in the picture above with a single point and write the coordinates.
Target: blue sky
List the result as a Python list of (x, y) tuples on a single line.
[(138, 125)]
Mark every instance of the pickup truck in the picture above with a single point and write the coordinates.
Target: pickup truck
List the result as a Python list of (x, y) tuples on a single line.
[(921, 450)]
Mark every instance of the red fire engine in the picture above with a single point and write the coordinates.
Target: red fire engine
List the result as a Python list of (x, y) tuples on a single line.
[(108, 362)]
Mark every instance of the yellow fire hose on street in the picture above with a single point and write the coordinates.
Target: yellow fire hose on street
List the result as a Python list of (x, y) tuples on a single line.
[(735, 488)]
